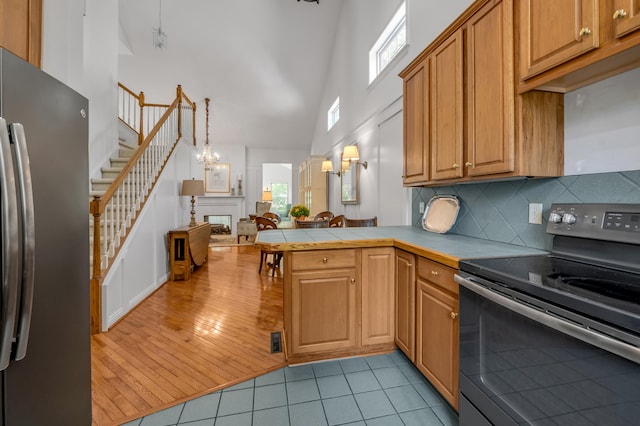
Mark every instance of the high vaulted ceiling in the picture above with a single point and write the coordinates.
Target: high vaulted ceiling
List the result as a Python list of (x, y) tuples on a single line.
[(263, 63)]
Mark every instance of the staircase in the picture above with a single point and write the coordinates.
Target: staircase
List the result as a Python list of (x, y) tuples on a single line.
[(118, 197), (100, 185)]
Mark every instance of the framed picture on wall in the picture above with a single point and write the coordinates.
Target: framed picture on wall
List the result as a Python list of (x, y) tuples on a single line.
[(216, 178)]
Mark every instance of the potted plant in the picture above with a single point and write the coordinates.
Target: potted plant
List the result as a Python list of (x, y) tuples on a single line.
[(299, 211)]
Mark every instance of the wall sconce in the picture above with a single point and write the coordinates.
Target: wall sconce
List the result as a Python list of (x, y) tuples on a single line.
[(327, 167), (352, 155), (267, 195), (194, 188)]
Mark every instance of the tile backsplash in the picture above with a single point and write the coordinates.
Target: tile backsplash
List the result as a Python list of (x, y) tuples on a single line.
[(499, 211)]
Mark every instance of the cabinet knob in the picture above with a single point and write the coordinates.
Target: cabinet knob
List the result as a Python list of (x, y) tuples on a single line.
[(456, 166), (453, 315), (619, 14), (434, 273), (584, 32), (409, 265), (324, 260), (353, 280), (468, 164)]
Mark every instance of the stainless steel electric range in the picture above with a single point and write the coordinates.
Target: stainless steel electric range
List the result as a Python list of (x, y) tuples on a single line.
[(555, 339)]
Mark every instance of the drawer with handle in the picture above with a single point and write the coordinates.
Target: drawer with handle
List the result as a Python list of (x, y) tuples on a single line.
[(323, 259), (438, 274)]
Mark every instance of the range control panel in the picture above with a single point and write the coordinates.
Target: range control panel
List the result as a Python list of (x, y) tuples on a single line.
[(611, 222)]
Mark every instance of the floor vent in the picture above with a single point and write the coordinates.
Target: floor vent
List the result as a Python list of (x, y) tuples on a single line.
[(276, 342)]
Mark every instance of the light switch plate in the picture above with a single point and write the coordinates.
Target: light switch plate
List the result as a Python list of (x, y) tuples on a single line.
[(421, 206), (535, 213)]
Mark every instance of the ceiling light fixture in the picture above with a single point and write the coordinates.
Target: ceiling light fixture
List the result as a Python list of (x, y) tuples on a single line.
[(206, 156), (159, 37), (312, 1)]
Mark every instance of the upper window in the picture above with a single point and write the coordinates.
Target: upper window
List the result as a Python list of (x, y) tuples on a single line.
[(333, 115), (390, 42)]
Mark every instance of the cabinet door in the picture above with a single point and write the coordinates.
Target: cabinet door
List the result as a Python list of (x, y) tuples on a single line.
[(405, 301), (446, 108), (21, 28), (490, 91), (378, 312), (626, 16), (437, 340), (323, 310), (552, 34), (416, 125)]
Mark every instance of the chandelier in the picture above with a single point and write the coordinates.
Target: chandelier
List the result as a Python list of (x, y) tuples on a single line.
[(159, 37), (206, 156)]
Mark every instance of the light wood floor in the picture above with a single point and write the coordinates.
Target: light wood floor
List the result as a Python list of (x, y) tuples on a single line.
[(189, 338)]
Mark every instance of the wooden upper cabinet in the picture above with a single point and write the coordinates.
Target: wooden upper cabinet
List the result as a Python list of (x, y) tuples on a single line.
[(446, 89), (490, 91), (554, 56), (626, 17), (551, 34), (416, 125), (21, 28), (479, 127)]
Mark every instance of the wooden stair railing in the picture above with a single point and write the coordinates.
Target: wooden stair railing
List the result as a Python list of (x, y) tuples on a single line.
[(115, 212)]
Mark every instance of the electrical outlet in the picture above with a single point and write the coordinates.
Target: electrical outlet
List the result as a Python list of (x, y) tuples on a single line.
[(421, 205), (535, 213)]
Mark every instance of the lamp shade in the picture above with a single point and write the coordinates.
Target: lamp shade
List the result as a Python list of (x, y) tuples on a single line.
[(192, 187), (350, 153), (267, 195), (327, 166)]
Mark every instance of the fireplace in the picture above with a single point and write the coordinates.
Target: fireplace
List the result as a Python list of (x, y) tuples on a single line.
[(220, 223), (231, 208)]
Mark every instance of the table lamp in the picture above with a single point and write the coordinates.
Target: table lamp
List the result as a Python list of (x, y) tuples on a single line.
[(194, 188)]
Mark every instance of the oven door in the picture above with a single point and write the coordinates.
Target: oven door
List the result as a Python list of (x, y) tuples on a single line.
[(521, 365)]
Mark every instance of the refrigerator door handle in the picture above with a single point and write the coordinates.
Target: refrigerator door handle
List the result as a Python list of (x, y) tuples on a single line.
[(25, 193), (11, 251)]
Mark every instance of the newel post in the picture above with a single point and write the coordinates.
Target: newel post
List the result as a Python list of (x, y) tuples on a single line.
[(95, 292), (141, 103)]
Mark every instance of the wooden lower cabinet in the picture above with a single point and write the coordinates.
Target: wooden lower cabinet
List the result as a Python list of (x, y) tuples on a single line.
[(405, 302), (338, 302), (437, 339), (378, 314), (323, 310)]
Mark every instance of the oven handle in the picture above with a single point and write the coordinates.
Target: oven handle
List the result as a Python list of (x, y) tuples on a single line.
[(602, 341)]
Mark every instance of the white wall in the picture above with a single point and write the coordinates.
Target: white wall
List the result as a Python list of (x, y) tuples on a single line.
[(602, 126), (80, 48), (365, 110)]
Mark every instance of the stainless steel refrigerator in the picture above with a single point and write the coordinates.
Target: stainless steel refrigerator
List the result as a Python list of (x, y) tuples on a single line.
[(44, 201)]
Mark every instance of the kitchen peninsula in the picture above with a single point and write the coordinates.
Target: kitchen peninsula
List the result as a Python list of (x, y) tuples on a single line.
[(354, 291)]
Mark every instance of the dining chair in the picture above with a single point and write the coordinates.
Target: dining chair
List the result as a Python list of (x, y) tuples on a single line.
[(266, 224), (325, 215), (273, 216), (356, 223), (337, 222), (312, 223)]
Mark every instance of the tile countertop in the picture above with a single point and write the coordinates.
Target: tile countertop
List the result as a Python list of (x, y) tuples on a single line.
[(444, 248)]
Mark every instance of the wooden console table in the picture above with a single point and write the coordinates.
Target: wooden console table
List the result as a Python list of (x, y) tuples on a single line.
[(188, 246)]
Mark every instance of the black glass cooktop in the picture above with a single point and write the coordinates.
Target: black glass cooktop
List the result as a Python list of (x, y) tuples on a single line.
[(603, 293)]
